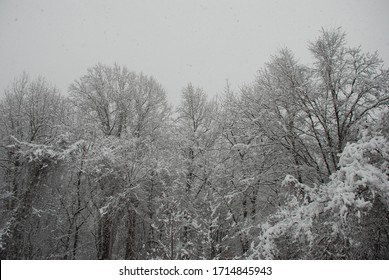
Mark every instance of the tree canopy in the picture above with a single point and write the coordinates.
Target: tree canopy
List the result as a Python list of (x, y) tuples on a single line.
[(294, 165)]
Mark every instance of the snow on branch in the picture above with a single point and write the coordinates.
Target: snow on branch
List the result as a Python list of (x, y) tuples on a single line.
[(39, 152)]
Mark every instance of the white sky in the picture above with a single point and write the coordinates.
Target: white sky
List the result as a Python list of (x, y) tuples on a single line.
[(176, 41)]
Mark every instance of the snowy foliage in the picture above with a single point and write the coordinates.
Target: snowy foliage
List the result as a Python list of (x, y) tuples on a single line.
[(333, 209), (41, 152), (292, 166)]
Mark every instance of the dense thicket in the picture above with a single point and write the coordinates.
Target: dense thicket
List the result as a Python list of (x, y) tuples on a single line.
[(292, 166)]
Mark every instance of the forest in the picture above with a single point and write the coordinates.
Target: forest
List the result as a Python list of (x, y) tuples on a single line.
[(294, 165)]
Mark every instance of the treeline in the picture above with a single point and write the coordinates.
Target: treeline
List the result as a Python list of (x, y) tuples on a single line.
[(293, 166)]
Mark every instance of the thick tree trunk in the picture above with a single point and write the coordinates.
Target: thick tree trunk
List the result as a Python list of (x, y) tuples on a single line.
[(130, 239), (104, 248)]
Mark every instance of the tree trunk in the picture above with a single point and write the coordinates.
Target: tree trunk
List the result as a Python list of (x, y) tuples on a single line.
[(130, 239), (16, 237), (104, 248)]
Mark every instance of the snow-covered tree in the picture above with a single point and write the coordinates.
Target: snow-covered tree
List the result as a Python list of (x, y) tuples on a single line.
[(347, 218), (291, 166)]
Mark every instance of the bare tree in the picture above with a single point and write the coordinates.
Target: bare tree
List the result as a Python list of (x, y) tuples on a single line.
[(348, 85)]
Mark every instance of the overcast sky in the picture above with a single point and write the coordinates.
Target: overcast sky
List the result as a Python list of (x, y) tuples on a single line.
[(176, 41)]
